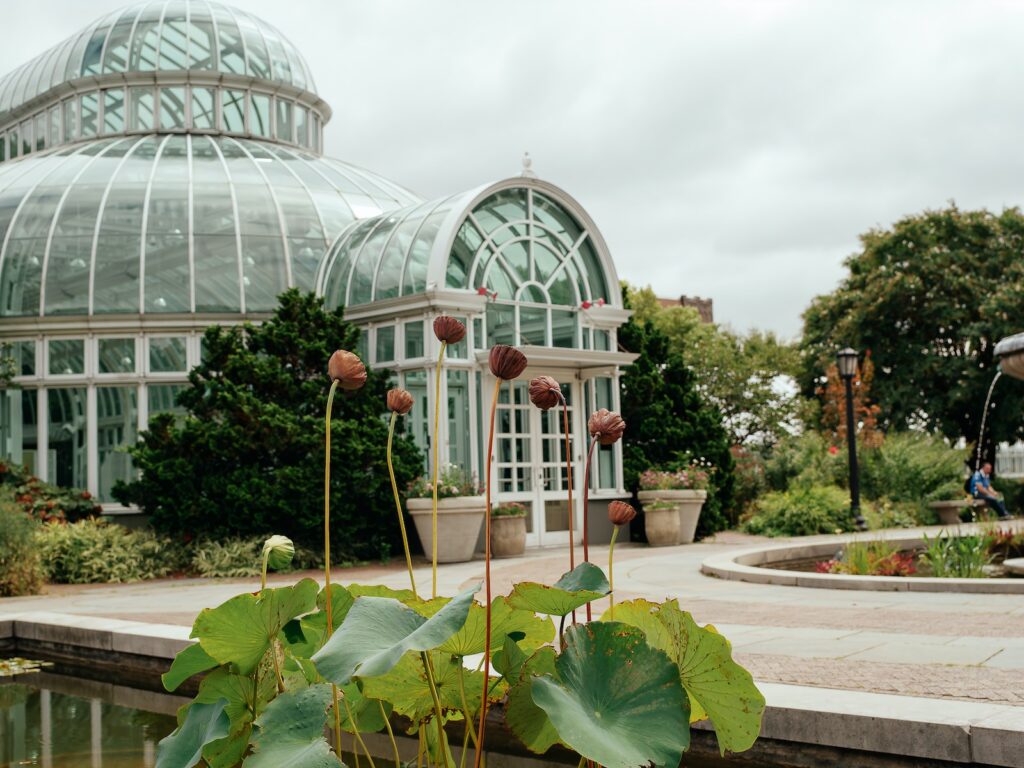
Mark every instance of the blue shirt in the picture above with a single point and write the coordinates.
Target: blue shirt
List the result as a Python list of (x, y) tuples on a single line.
[(979, 478)]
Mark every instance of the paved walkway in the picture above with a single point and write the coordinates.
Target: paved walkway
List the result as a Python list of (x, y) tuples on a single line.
[(941, 645)]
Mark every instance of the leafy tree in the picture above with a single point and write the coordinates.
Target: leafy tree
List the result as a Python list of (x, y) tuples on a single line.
[(747, 377), (930, 297), (248, 458), (833, 405), (668, 422)]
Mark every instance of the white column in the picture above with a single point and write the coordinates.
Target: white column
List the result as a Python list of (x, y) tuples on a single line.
[(46, 726), (96, 732)]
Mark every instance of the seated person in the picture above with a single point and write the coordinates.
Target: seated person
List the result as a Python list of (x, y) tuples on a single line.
[(981, 488)]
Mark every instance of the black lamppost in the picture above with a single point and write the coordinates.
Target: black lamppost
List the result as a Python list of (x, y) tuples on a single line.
[(846, 361)]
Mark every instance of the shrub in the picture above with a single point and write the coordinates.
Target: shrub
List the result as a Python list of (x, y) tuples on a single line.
[(962, 557), (509, 509), (45, 501), (912, 466), (96, 551), (249, 456), (750, 479), (805, 460), (693, 477), (801, 511), (21, 572), (886, 513), (234, 558)]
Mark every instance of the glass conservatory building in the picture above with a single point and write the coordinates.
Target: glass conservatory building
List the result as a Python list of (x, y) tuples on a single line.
[(162, 171)]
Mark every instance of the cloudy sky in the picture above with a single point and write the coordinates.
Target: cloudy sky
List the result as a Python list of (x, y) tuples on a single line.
[(732, 150)]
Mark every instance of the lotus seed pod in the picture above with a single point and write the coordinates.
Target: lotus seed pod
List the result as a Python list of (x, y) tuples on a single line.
[(607, 426), (347, 369), (620, 513), (448, 329), (545, 392), (399, 401), (506, 362)]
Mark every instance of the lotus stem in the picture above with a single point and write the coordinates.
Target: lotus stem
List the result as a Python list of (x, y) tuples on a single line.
[(487, 581), (391, 734), (356, 733), (467, 715), (398, 503), (438, 716), (433, 517), (611, 574), (327, 552), (263, 569), (586, 511)]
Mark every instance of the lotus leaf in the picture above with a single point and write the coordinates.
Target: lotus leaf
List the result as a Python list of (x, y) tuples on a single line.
[(290, 732), (190, 661), (203, 724), (536, 631), (583, 584)]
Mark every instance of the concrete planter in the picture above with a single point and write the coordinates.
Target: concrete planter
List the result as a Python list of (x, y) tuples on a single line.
[(660, 525), (508, 535), (687, 503), (458, 526)]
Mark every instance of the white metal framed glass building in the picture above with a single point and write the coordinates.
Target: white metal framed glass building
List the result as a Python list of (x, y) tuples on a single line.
[(162, 171)]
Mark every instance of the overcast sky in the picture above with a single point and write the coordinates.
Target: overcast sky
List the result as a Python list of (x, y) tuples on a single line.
[(732, 150)]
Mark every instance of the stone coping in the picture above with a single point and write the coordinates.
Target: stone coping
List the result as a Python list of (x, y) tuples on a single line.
[(746, 564), (930, 729)]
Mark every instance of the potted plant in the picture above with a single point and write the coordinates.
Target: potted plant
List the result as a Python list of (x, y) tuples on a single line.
[(460, 514), (684, 490), (508, 529)]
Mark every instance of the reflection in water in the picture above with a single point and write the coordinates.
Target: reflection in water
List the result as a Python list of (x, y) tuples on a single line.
[(51, 729)]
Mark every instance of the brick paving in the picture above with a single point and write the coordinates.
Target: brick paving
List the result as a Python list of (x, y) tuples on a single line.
[(938, 681)]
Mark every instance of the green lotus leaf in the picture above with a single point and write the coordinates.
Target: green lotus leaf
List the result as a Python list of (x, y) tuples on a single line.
[(407, 689), (240, 631), (379, 590), (341, 601), (505, 620), (229, 751), (366, 713), (379, 630), (615, 699), (240, 693), (191, 661), (509, 660), (290, 732), (528, 722), (723, 689), (434, 753), (583, 584), (204, 723)]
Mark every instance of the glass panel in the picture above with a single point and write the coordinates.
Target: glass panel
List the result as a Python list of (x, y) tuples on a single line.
[(517, 257), (414, 339), (24, 355), (385, 344), (161, 398), (54, 126), (417, 422), (26, 137), (216, 259), (117, 419), (501, 324), (13, 145), (263, 263), (89, 106), (92, 59), (257, 59), (563, 328), (167, 355), (460, 260), (363, 345), (512, 449), (67, 275), (201, 45), (166, 256), (203, 111), (40, 131), (259, 118), (602, 342), (67, 356), (556, 218), (533, 326), (605, 455), (174, 38), (233, 111), (232, 52), (142, 109), (22, 276), (67, 456), (19, 427), (145, 40), (172, 108), (283, 126), (116, 355), (70, 108), (594, 272), (301, 125), (3, 147), (113, 110), (458, 418)]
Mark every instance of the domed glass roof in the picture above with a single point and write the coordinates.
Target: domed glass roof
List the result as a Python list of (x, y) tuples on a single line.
[(173, 224), (163, 35)]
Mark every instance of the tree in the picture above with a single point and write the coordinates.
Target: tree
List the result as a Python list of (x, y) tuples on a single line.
[(748, 378), (248, 458), (668, 422), (833, 405), (930, 297)]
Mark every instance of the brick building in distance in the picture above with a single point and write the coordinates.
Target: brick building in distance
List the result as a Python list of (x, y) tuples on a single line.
[(703, 306)]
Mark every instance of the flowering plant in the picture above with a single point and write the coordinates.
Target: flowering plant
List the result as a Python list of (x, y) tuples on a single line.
[(693, 477), (509, 509), (451, 483)]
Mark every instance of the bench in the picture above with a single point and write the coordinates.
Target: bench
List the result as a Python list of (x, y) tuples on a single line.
[(949, 511)]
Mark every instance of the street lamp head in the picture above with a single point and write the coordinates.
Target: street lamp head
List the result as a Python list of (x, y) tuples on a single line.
[(846, 360)]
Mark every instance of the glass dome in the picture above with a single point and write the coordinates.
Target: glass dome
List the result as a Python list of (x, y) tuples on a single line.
[(173, 224), (165, 35), (519, 240)]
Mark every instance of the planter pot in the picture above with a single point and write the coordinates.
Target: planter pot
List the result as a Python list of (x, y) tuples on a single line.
[(660, 525), (688, 504), (508, 535), (949, 511), (458, 526)]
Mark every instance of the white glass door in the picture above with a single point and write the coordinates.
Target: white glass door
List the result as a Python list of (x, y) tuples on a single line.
[(530, 463)]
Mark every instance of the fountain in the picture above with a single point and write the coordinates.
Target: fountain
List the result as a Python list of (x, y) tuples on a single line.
[(1010, 352)]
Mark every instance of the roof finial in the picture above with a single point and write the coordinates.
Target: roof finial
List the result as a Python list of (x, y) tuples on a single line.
[(528, 166)]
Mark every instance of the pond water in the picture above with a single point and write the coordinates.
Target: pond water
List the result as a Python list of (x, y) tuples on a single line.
[(53, 721)]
